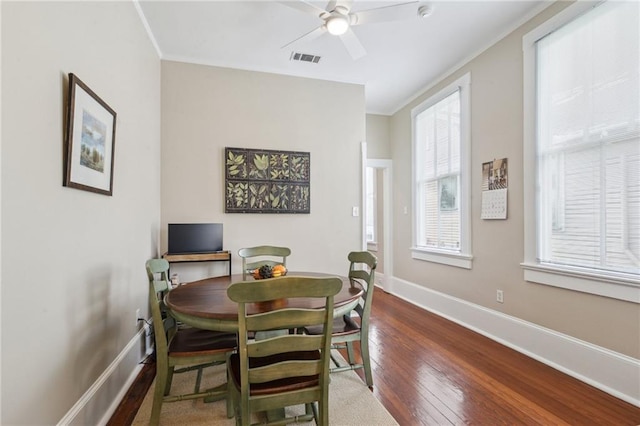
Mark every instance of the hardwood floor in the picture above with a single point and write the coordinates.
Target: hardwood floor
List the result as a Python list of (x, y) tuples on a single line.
[(430, 371)]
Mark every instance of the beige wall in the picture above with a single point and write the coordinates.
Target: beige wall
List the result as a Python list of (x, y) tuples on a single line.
[(497, 132), (73, 261), (378, 133), (205, 109)]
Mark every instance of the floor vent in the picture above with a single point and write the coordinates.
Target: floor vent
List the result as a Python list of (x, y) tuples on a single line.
[(304, 57)]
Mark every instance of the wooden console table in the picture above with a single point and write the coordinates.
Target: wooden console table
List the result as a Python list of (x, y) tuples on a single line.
[(218, 256)]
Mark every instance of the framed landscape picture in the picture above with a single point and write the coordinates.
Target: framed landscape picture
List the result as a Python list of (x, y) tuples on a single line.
[(90, 140)]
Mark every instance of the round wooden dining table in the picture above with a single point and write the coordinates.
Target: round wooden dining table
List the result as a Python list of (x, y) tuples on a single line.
[(204, 304)]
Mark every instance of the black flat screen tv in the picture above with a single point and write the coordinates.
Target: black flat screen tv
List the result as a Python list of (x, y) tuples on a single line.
[(195, 238)]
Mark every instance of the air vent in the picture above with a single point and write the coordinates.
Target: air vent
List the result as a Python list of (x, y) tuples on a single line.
[(304, 57)]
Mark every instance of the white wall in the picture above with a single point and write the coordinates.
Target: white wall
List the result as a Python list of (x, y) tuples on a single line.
[(73, 261), (205, 109)]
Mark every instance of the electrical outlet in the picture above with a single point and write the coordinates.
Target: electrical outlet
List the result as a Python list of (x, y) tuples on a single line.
[(499, 296), (138, 316)]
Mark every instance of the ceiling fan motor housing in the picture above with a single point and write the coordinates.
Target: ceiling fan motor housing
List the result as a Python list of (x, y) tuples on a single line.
[(338, 20)]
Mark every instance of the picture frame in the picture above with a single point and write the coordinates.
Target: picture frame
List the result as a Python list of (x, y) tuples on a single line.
[(90, 140), (495, 175), (267, 181)]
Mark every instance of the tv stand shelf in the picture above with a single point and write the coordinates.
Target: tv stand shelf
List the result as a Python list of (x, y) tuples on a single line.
[(218, 256)]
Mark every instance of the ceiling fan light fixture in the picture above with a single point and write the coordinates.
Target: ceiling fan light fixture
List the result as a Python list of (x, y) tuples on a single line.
[(424, 11), (337, 24)]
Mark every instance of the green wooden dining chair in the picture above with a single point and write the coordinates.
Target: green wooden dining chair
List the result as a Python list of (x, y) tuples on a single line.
[(192, 348), (255, 257), (283, 369), (346, 329)]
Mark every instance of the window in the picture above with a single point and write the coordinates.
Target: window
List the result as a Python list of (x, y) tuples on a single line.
[(441, 176), (585, 147)]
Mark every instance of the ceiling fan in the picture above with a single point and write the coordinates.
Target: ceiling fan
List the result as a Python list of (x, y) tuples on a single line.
[(337, 19)]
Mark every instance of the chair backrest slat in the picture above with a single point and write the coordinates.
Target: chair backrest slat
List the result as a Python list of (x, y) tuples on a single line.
[(285, 370), (273, 346), (285, 319)]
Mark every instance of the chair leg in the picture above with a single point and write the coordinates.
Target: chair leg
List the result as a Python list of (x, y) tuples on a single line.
[(334, 361), (232, 396), (352, 358), (169, 378), (310, 411), (364, 351), (158, 395), (198, 380), (243, 412), (322, 418)]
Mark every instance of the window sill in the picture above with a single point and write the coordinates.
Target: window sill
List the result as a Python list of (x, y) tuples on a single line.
[(444, 257), (608, 285)]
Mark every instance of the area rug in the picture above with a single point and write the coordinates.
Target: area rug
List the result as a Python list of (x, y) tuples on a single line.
[(351, 403)]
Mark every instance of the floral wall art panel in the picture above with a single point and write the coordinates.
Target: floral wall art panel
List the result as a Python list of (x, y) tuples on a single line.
[(267, 181)]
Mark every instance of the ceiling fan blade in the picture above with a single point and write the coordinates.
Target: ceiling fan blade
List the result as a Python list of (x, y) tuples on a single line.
[(353, 45), (311, 35), (396, 12), (346, 3), (334, 3), (305, 7)]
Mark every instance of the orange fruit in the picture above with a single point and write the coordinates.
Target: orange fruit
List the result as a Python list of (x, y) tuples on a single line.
[(280, 269)]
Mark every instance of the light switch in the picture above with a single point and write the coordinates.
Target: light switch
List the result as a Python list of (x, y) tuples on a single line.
[(355, 212)]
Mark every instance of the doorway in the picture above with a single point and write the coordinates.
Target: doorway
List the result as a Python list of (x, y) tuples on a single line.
[(377, 218)]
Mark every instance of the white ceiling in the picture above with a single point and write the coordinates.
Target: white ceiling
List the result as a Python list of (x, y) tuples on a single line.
[(403, 57)]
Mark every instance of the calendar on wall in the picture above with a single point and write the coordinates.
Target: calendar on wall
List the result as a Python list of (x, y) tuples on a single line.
[(494, 204), (494, 189)]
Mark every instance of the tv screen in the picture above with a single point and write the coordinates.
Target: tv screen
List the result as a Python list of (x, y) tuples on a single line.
[(194, 238)]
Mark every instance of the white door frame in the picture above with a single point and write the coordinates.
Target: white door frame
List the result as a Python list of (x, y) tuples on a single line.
[(387, 232)]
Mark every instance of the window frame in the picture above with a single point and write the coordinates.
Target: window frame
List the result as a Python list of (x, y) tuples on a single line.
[(462, 258), (609, 284)]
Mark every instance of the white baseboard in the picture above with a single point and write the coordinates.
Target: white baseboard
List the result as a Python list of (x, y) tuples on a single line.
[(609, 371), (380, 280), (100, 401)]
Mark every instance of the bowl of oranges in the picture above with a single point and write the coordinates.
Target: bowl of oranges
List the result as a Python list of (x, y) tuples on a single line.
[(268, 271)]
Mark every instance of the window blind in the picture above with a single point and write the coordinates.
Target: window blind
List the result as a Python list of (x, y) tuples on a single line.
[(438, 141), (588, 141)]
